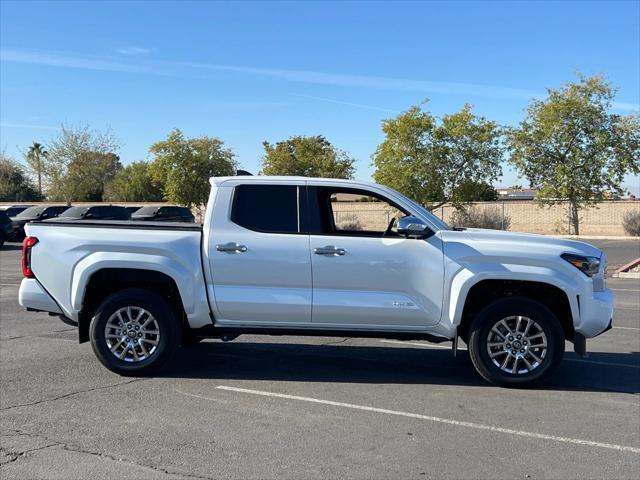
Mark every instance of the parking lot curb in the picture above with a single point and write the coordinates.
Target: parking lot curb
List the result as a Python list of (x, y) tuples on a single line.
[(626, 275), (623, 272)]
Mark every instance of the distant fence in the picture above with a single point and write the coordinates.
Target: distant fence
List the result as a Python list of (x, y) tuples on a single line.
[(605, 218)]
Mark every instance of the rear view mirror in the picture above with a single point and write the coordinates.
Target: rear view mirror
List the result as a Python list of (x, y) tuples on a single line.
[(412, 227)]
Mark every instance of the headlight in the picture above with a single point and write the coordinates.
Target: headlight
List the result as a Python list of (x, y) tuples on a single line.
[(587, 265)]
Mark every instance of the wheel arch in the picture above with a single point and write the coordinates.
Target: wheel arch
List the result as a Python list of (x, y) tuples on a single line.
[(106, 281), (481, 293)]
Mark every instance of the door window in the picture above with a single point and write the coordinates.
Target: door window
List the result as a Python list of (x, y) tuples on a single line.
[(266, 208), (355, 212)]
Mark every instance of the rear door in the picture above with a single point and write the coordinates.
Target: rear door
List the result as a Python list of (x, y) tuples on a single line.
[(259, 255), (363, 273)]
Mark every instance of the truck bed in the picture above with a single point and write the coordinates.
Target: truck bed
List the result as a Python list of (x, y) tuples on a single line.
[(68, 253), (129, 224)]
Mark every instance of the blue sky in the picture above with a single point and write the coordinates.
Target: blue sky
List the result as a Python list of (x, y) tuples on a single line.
[(249, 72)]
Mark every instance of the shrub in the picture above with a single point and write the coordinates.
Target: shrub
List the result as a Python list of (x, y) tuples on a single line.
[(631, 223), (349, 221), (473, 217)]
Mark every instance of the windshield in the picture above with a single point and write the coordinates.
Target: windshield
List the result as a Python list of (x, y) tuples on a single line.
[(31, 212), (145, 211), (74, 212), (440, 224)]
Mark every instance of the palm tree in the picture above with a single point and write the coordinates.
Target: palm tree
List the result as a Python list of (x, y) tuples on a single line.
[(35, 156)]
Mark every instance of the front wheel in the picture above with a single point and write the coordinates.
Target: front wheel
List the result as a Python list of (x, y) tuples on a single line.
[(515, 341), (134, 332)]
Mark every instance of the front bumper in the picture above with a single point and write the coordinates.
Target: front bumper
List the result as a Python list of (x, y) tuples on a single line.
[(33, 296), (596, 313)]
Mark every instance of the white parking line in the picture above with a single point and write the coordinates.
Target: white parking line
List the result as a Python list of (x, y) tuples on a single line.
[(626, 328), (457, 423), (625, 290)]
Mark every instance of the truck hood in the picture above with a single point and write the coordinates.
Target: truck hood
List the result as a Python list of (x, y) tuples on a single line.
[(510, 244)]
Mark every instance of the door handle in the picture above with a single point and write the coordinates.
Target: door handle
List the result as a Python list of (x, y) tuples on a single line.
[(330, 250), (231, 247)]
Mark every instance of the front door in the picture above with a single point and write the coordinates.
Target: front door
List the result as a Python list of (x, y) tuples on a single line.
[(260, 263), (363, 273)]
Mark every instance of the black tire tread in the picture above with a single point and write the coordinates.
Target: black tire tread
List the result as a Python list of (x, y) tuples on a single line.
[(517, 306), (164, 313)]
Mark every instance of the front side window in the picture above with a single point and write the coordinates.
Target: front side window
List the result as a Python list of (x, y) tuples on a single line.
[(356, 212), (266, 208)]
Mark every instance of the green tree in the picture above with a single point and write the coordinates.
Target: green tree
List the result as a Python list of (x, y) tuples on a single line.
[(472, 191), (429, 159), (306, 157), (35, 157), (133, 183), (184, 165), (80, 162), (88, 174), (15, 185), (573, 149)]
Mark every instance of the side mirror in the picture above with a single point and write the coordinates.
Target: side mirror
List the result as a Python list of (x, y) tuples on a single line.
[(412, 227)]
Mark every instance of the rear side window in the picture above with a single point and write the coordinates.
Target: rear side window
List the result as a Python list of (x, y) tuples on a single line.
[(266, 208), (100, 212)]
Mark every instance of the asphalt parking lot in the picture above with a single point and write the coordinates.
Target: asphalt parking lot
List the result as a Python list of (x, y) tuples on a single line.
[(290, 407)]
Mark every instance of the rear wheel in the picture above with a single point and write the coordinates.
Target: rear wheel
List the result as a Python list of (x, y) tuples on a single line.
[(134, 332), (516, 341)]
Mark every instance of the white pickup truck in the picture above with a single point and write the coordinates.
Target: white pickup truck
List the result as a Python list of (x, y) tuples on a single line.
[(316, 256)]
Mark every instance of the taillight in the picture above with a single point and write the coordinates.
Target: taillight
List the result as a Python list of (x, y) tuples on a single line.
[(27, 245)]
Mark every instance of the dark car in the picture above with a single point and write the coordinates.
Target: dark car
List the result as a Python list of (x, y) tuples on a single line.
[(6, 228), (13, 210), (164, 214), (43, 212), (97, 212)]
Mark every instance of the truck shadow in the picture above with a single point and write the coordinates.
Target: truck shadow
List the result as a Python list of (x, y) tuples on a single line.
[(617, 372)]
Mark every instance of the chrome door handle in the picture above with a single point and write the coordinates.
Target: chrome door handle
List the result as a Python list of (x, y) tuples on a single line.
[(330, 250), (231, 247)]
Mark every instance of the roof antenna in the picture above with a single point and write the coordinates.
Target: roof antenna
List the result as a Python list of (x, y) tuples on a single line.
[(240, 173)]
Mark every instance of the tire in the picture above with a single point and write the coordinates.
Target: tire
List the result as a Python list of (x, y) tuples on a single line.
[(114, 322), (486, 346), (2, 239)]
